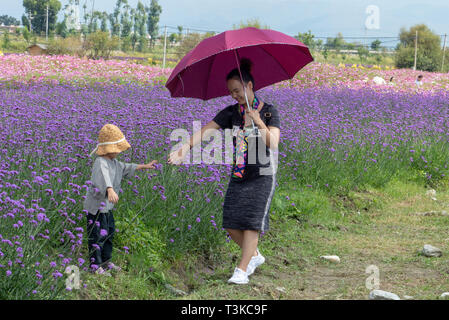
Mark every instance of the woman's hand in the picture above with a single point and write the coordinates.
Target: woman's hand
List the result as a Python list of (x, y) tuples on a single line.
[(252, 114), (177, 156), (112, 196)]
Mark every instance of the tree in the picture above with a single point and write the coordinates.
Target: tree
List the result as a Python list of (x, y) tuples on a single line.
[(38, 10), (375, 45), (114, 19), (61, 28), (139, 28), (125, 21), (26, 22), (26, 34), (9, 21), (154, 11), (363, 53), (6, 41), (255, 23), (99, 45), (429, 50), (189, 42), (336, 43), (307, 39), (104, 21)]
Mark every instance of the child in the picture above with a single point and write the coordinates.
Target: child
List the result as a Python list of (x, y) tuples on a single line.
[(418, 81), (107, 174)]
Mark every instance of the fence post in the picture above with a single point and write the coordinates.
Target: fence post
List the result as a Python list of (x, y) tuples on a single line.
[(165, 47), (444, 50), (416, 49)]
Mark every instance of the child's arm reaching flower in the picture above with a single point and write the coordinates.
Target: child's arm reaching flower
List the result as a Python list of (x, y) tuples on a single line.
[(147, 166)]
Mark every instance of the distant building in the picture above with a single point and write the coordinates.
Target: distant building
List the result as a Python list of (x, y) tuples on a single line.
[(9, 29), (37, 49)]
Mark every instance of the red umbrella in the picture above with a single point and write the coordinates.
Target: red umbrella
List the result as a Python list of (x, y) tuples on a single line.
[(202, 72)]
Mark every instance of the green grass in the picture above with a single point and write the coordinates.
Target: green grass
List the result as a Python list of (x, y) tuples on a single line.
[(371, 227)]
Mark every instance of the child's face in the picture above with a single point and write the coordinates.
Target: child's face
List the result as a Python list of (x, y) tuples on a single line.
[(112, 155)]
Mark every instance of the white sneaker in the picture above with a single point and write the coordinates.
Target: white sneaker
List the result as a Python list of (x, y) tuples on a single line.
[(239, 277), (103, 272), (254, 263)]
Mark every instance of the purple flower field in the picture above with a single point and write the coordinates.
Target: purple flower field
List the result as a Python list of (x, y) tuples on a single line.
[(332, 139)]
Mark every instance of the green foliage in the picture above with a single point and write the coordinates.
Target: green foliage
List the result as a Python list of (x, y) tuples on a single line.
[(375, 45), (61, 29), (8, 20), (154, 11), (429, 54), (255, 23), (140, 239), (99, 45), (336, 43), (6, 41), (188, 43), (66, 46), (308, 39), (363, 53), (38, 10)]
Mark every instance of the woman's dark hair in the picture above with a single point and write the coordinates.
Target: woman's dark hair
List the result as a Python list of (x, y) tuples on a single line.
[(245, 68)]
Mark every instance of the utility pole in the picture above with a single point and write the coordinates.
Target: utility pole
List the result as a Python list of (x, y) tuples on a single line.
[(444, 50), (92, 14), (30, 16), (46, 27), (165, 47), (416, 49)]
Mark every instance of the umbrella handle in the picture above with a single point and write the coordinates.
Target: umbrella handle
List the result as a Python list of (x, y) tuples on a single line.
[(241, 79)]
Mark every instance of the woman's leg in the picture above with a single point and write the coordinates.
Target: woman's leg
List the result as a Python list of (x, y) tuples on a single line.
[(236, 236), (249, 247)]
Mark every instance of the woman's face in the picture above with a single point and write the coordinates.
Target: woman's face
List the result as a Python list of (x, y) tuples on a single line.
[(235, 88)]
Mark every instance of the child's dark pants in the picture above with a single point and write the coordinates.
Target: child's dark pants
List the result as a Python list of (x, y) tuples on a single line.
[(100, 231)]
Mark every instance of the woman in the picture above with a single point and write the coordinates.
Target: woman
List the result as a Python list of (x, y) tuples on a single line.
[(251, 187)]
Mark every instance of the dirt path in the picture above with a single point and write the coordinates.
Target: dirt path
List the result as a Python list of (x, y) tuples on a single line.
[(388, 238)]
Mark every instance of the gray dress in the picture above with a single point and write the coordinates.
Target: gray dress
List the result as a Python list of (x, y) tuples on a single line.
[(247, 201)]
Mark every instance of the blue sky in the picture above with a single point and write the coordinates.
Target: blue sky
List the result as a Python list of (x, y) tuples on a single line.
[(322, 17)]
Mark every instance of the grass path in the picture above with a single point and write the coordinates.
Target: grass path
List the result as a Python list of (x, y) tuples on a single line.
[(380, 228)]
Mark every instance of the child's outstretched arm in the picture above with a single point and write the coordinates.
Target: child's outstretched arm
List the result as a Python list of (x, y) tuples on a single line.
[(130, 168), (150, 165)]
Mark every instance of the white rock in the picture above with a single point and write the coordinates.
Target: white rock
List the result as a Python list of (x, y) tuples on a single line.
[(335, 259), (408, 297), (382, 295), (445, 295), (280, 289), (431, 193), (431, 251), (378, 80), (175, 291)]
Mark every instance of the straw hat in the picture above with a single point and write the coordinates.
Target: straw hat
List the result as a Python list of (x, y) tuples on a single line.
[(110, 140)]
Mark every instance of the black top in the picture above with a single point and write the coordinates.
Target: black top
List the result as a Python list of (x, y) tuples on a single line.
[(231, 118)]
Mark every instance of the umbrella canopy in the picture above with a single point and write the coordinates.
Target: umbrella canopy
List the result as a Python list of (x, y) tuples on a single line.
[(202, 72)]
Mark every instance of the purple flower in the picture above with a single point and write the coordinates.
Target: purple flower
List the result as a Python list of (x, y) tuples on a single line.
[(103, 232)]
